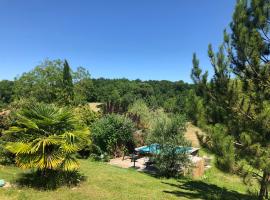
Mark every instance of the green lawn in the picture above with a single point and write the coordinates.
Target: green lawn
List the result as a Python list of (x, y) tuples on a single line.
[(109, 182)]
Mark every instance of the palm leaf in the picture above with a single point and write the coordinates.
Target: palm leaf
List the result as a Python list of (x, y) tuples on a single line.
[(14, 129), (28, 123), (70, 164), (18, 147)]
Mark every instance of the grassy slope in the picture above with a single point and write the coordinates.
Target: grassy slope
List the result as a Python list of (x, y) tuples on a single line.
[(109, 182)]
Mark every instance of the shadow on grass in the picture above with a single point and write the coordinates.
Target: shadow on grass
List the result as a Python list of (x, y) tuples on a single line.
[(51, 180), (199, 189)]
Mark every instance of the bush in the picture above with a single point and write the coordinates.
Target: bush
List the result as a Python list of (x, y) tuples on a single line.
[(169, 134), (140, 114), (6, 158), (6, 119), (52, 180), (86, 115), (169, 162), (113, 134)]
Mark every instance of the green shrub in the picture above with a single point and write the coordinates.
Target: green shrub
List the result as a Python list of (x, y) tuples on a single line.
[(5, 122), (86, 115), (52, 180), (6, 157), (113, 134), (169, 134)]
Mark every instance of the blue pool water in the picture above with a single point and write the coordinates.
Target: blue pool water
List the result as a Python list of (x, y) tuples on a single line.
[(2, 182), (155, 149)]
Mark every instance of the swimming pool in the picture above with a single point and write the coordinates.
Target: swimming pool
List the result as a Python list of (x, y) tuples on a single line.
[(155, 149)]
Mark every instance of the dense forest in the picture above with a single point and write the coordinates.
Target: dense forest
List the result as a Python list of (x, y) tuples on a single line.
[(44, 84)]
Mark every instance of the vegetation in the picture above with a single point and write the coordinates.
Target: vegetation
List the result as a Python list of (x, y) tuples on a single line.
[(53, 82), (169, 134), (6, 88), (241, 104), (86, 115), (45, 137), (232, 107), (67, 85), (113, 134)]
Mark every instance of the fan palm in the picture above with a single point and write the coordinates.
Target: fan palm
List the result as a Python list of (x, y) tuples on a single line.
[(46, 138)]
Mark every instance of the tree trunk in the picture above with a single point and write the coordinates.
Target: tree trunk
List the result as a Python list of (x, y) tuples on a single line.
[(263, 190)]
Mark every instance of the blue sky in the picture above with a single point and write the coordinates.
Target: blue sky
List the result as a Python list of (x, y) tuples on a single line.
[(146, 39)]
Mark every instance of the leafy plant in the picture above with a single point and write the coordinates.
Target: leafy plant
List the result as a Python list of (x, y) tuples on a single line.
[(46, 137), (113, 133), (168, 133), (86, 115)]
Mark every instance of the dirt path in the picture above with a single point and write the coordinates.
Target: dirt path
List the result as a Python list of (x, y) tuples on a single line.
[(191, 134)]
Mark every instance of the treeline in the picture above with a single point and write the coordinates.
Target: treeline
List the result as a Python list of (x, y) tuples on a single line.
[(120, 93), (47, 83)]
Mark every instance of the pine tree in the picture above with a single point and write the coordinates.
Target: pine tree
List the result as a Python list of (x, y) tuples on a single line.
[(68, 93), (245, 98), (219, 90), (199, 78), (248, 48)]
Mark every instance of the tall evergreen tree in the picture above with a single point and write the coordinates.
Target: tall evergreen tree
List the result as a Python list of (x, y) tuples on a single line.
[(68, 93), (248, 47), (248, 95), (219, 89), (199, 78)]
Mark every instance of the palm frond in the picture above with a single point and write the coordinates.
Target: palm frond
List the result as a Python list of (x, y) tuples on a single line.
[(28, 123), (14, 129), (18, 147), (70, 164), (69, 148)]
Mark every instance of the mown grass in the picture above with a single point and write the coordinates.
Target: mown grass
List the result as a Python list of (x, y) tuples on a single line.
[(109, 182)]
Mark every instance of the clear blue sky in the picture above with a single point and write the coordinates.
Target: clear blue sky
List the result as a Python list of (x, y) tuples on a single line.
[(146, 39)]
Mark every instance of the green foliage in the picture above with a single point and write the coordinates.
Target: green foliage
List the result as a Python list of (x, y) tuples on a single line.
[(242, 104), (46, 137), (21, 103), (86, 115), (6, 158), (169, 134), (53, 179), (113, 134), (223, 145), (198, 78), (118, 94), (54, 82), (42, 83), (5, 122), (156, 116), (140, 113), (170, 105), (83, 86), (6, 91), (195, 109), (67, 85), (248, 48)]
